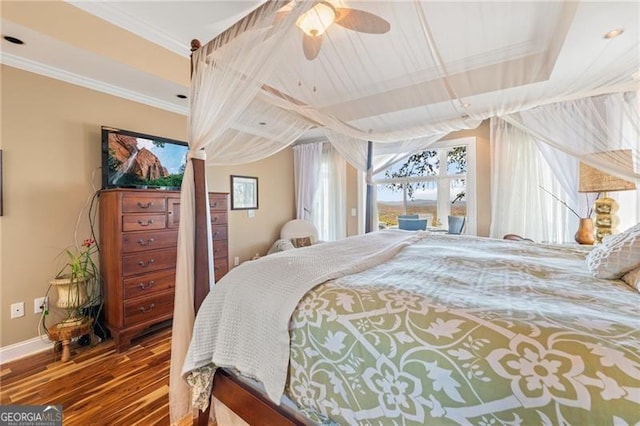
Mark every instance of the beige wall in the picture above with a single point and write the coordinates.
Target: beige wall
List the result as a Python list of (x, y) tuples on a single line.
[(276, 204), (50, 136), (352, 200)]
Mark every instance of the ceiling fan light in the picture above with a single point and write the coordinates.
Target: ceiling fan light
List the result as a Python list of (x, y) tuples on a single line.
[(315, 21)]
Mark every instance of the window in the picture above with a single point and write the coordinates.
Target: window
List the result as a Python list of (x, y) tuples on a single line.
[(433, 183)]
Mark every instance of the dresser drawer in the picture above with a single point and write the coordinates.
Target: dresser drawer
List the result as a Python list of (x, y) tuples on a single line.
[(220, 249), (219, 232), (145, 309), (143, 222), (149, 284), (218, 218), (144, 262), (220, 267), (140, 241), (135, 204), (218, 202)]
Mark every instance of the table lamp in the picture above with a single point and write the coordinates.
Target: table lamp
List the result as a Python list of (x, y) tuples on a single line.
[(594, 180)]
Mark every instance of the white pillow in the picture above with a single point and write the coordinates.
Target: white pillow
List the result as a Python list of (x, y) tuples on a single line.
[(633, 279), (616, 255), (280, 245)]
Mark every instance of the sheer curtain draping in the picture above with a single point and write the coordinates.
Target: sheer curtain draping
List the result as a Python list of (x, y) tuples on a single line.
[(226, 78), (253, 92), (307, 162), (518, 204), (564, 134), (330, 214)]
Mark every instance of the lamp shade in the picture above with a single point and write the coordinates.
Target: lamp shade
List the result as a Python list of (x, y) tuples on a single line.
[(594, 180)]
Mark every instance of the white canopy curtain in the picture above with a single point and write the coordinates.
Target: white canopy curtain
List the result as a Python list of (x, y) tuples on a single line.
[(518, 204), (443, 66), (563, 134), (307, 160)]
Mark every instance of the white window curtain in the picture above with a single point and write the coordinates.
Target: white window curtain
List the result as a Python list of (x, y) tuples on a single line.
[(329, 216), (569, 132), (518, 202), (307, 160)]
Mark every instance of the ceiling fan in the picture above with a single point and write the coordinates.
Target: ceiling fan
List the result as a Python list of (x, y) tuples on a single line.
[(316, 20)]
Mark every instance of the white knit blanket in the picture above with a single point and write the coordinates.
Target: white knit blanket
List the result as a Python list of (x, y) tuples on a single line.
[(244, 322)]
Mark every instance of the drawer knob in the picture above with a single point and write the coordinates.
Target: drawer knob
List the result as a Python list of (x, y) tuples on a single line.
[(143, 243), (145, 264), (215, 234), (215, 218), (145, 310), (144, 286), (215, 204), (145, 206), (149, 222)]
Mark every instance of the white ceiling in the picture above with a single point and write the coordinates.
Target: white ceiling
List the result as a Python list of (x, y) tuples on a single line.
[(173, 24), (170, 24)]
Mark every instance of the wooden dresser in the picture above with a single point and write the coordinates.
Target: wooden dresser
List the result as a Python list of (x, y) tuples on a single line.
[(218, 205), (138, 238)]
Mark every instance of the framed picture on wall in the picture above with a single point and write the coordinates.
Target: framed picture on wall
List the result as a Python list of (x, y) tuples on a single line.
[(244, 193)]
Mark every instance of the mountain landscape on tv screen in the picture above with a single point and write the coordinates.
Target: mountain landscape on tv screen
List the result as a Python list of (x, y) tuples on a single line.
[(143, 162)]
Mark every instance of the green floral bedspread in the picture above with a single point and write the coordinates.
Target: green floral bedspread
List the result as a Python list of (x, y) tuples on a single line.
[(464, 330)]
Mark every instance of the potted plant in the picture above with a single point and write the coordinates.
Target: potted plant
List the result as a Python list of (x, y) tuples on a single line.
[(77, 282)]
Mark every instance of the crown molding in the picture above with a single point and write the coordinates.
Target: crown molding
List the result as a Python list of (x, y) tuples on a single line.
[(109, 12), (89, 83)]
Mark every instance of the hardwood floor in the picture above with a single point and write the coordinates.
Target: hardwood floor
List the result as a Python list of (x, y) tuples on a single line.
[(97, 386)]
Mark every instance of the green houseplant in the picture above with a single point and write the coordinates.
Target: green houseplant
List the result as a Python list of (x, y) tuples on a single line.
[(77, 282)]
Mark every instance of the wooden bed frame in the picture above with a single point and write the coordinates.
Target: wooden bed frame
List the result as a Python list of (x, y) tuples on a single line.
[(248, 403)]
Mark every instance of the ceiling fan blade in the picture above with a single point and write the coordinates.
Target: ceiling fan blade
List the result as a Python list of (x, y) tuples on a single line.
[(361, 21), (311, 46)]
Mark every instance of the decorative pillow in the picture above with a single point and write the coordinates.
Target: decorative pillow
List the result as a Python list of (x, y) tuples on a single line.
[(301, 242), (633, 279), (616, 255), (280, 245)]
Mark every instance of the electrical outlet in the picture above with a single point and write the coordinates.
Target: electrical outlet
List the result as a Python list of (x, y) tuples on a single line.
[(236, 261), (17, 310), (39, 304)]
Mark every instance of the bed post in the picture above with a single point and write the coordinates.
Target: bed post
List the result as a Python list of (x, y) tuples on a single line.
[(368, 220), (201, 261), (201, 273)]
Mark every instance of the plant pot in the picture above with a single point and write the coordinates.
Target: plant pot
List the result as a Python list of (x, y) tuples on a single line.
[(72, 293), (584, 235)]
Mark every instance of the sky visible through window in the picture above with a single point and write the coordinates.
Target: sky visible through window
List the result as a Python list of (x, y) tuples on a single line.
[(428, 193)]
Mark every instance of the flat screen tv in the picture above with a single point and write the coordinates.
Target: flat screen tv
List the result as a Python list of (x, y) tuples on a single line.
[(136, 160)]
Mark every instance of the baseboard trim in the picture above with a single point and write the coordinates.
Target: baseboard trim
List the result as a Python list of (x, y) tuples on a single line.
[(24, 348)]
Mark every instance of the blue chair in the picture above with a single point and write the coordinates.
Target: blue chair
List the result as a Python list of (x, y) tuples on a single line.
[(412, 224), (456, 224)]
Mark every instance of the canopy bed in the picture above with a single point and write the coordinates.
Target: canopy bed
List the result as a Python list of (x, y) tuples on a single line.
[(378, 94)]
